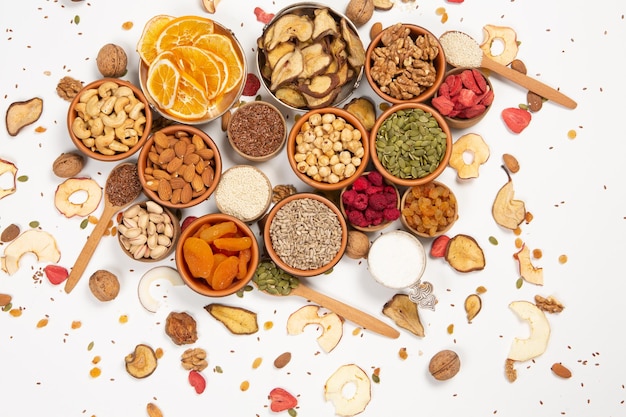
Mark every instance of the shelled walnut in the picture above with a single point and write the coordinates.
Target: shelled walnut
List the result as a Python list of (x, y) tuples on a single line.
[(181, 328), (549, 305), (194, 359), (282, 191)]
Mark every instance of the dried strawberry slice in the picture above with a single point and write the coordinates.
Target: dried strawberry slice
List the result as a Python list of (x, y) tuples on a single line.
[(516, 119), (487, 98), (282, 400), (252, 85), (481, 83), (467, 77), (263, 16), (454, 83), (439, 246), (56, 274), (197, 381), (467, 98), (443, 105), (469, 112)]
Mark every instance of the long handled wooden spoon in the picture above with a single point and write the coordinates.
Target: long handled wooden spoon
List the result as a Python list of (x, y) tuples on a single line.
[(347, 312), (458, 54), (121, 189)]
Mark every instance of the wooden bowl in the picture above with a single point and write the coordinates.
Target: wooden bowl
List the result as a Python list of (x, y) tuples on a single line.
[(305, 123), (200, 285), (146, 166), (142, 251), (372, 228), (439, 64), (440, 230), (87, 143), (461, 122), (252, 136), (381, 165), (242, 188), (310, 265)]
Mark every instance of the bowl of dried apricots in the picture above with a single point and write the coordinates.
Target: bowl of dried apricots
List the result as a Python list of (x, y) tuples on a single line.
[(217, 254), (192, 69)]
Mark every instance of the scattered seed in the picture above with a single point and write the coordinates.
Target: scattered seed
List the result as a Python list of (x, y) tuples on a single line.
[(493, 240), (90, 346), (22, 178), (42, 323), (34, 224), (450, 328), (77, 19), (519, 283), (403, 353), (84, 223), (244, 385), (256, 363)]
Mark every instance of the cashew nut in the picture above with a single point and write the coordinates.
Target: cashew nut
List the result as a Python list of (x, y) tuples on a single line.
[(139, 124), (136, 111), (114, 121), (108, 104), (117, 146), (124, 91), (103, 141), (87, 94), (97, 127), (81, 110), (120, 104), (130, 138), (93, 107), (79, 127), (120, 132), (106, 89)]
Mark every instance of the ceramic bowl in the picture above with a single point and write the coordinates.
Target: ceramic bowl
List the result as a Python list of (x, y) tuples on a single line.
[(438, 63), (424, 222), (327, 91), (217, 107), (201, 285), (94, 108), (257, 131), (298, 145), (307, 261), (202, 185), (386, 167), (465, 117), (386, 190), (244, 192), (135, 236)]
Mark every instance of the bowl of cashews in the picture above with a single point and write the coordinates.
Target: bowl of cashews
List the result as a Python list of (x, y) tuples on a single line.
[(109, 119)]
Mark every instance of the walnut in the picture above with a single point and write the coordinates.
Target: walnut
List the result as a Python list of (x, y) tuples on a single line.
[(194, 359), (549, 305), (68, 164), (181, 328), (281, 191), (509, 370), (112, 60), (104, 285), (68, 87), (358, 244), (360, 11)]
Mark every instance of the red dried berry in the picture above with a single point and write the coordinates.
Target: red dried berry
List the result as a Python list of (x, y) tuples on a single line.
[(481, 83), (360, 184), (443, 104), (56, 274), (357, 218), (375, 178), (391, 213), (197, 381), (439, 246), (262, 16), (252, 85), (469, 82), (282, 400), (516, 119), (187, 222), (377, 201)]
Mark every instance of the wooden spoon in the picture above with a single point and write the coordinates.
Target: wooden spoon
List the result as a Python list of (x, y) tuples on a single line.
[(536, 86), (347, 312), (120, 191)]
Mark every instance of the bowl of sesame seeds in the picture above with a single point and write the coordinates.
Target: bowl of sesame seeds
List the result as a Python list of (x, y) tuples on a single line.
[(305, 234), (244, 192)]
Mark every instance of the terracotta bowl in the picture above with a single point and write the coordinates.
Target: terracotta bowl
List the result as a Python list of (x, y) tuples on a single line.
[(248, 131), (462, 121), (307, 221), (141, 251), (372, 228), (150, 153), (217, 107), (243, 188), (333, 95), (84, 138), (381, 165), (433, 190), (305, 123), (439, 64), (201, 285)]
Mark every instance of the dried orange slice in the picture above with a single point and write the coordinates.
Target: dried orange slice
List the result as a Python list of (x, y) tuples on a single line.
[(223, 47), (146, 46), (204, 67), (162, 80), (191, 102), (184, 30)]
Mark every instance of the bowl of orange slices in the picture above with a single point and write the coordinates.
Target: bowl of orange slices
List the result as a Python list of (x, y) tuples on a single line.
[(191, 69)]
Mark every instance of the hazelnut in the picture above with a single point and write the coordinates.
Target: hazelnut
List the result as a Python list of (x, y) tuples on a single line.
[(444, 365), (68, 165), (358, 244), (112, 61)]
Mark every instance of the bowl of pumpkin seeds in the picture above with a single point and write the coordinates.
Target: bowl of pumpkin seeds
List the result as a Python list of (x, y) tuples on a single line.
[(410, 144)]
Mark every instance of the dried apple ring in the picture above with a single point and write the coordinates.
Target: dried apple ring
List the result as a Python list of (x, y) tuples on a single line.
[(11, 169), (504, 34), (71, 186), (473, 144)]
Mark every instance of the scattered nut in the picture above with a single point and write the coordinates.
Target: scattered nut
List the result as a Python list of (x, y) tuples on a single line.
[(104, 285), (360, 11), (509, 370), (510, 162), (282, 360), (68, 165), (9, 233), (535, 101), (153, 410), (375, 30), (68, 87), (444, 365), (519, 66), (5, 299), (383, 4), (210, 5), (561, 371), (549, 305), (181, 328), (282, 191), (112, 61), (358, 244), (194, 359)]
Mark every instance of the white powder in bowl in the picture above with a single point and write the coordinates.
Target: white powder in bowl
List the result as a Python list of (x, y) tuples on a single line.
[(396, 259), (461, 50)]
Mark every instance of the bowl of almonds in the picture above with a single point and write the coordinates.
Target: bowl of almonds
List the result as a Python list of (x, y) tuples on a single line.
[(179, 166)]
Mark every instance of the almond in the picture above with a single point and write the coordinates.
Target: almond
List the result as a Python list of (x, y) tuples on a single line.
[(173, 165), (282, 360), (177, 182), (510, 162), (186, 193), (5, 299), (561, 371), (189, 172), (153, 410), (166, 156), (164, 190), (197, 184), (180, 148)]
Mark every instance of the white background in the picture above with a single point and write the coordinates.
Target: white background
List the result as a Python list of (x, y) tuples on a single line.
[(574, 189)]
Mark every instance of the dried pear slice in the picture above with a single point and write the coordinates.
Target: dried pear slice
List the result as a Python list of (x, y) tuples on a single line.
[(288, 27), (363, 109), (290, 96), (324, 24), (273, 56), (404, 313), (23, 113), (320, 85), (356, 51), (237, 320), (473, 305), (287, 69), (464, 254), (506, 211), (319, 102), (142, 362), (315, 60)]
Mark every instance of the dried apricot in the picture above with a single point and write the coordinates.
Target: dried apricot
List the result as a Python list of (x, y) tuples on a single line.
[(225, 273), (199, 257), (217, 231), (233, 243), (244, 258)]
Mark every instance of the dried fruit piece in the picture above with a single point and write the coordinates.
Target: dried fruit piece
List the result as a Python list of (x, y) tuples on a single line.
[(181, 328), (506, 211), (6, 166), (70, 187), (334, 390), (252, 85), (363, 109), (516, 119), (439, 246), (197, 381), (263, 16), (42, 244), (533, 346), (198, 257), (56, 274), (160, 273), (444, 365), (281, 400), (504, 34), (464, 254), (527, 270), (237, 320), (142, 362), (560, 370), (473, 147), (473, 304), (23, 113), (404, 313), (331, 324)]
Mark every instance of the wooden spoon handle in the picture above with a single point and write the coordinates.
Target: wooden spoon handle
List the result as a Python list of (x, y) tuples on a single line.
[(347, 312), (529, 83), (90, 246)]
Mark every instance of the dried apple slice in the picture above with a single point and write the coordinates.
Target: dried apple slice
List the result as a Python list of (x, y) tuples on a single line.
[(42, 244), (158, 274), (287, 68), (478, 149), (464, 254), (11, 169), (473, 304), (236, 319), (142, 362), (537, 343), (335, 390), (507, 211), (504, 34), (23, 113), (527, 270), (331, 324), (288, 27), (72, 186), (324, 24), (315, 60), (404, 313)]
